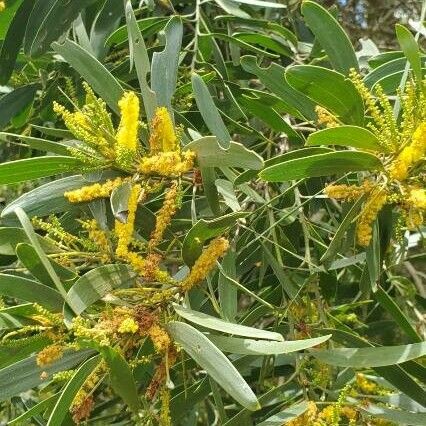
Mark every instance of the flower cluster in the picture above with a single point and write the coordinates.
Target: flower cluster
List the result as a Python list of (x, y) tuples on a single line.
[(403, 146)]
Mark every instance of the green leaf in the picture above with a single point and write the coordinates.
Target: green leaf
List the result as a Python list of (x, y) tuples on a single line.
[(204, 230), (7, 15), (96, 75), (218, 324), (10, 237), (12, 350), (211, 154), (262, 3), (273, 79), (278, 159), (35, 168), (371, 357), (236, 345), (353, 136), (48, 198), (97, 283), (164, 66), (334, 245), (32, 236), (119, 201), (394, 416), (228, 293), (329, 89), (30, 291), (286, 415), (393, 309), (411, 50), (34, 410), (25, 374), (147, 26), (15, 102), (210, 112), (121, 377), (28, 256), (106, 21), (332, 163), (38, 143), (139, 56), (214, 362), (13, 40), (70, 390), (49, 20), (331, 36)]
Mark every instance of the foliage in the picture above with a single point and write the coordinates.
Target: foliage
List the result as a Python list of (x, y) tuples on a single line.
[(214, 213)]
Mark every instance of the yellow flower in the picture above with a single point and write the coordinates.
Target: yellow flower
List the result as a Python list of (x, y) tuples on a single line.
[(2, 6), (165, 408), (49, 355), (127, 134), (169, 164), (325, 117), (417, 198), (364, 385), (164, 216), (98, 237), (410, 155), (307, 418), (124, 231), (205, 263), (372, 207), (163, 136), (128, 325), (347, 192), (160, 338), (92, 192)]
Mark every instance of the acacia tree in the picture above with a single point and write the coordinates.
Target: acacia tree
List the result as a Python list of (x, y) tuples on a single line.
[(213, 213)]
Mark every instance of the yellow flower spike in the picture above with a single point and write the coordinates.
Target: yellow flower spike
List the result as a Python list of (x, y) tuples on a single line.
[(127, 134), (369, 213), (205, 263), (128, 325), (124, 231), (160, 338), (163, 136), (99, 237), (410, 155), (164, 216), (325, 118), (347, 192), (168, 164), (2, 6), (417, 198), (49, 354), (92, 192)]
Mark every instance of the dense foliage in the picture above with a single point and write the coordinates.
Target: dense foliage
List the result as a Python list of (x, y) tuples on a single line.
[(213, 212)]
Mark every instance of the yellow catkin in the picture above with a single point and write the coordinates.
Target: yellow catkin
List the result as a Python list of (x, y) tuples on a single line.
[(325, 118), (49, 354), (163, 136), (124, 231), (2, 6), (364, 385), (128, 325), (164, 216), (372, 207), (410, 155), (160, 338), (98, 237), (127, 134), (165, 419), (85, 126), (417, 198), (92, 192), (169, 164), (205, 263), (347, 192)]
